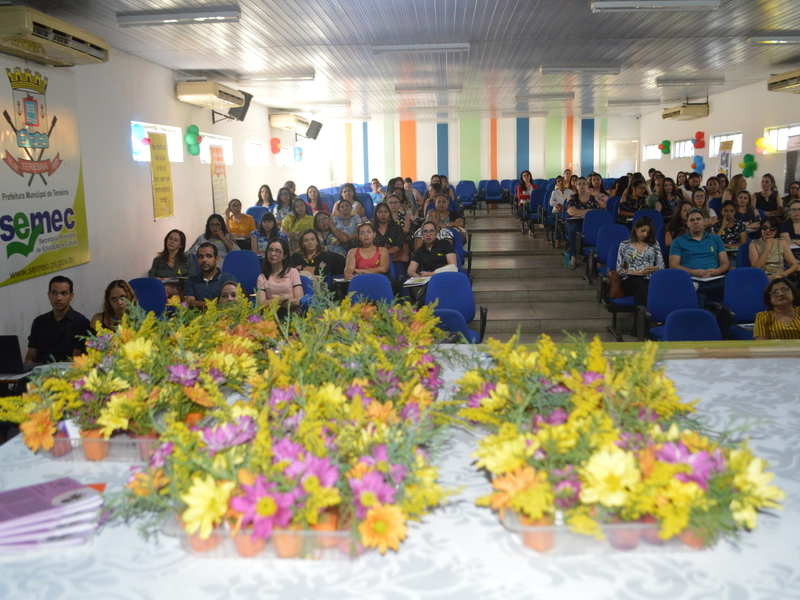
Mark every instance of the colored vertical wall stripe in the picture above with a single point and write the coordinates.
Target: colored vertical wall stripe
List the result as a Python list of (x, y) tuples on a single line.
[(470, 149), (493, 148), (603, 137), (442, 149), (408, 149), (587, 146), (523, 145), (366, 151), (553, 147), (388, 150), (570, 142), (348, 150)]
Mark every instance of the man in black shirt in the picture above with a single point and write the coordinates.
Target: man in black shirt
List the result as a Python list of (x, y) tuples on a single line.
[(207, 284), (55, 335)]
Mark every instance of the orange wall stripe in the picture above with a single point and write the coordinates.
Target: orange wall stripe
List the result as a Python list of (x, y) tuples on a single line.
[(570, 140), (408, 149), (493, 148), (348, 151)]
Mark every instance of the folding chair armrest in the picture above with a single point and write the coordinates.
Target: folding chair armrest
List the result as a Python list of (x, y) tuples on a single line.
[(469, 242), (484, 314), (579, 244), (724, 316), (643, 322)]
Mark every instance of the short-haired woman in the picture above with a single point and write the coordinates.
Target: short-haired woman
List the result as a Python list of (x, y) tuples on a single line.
[(781, 320)]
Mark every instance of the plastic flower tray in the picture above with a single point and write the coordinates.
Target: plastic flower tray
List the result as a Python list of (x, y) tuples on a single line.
[(559, 540), (121, 448), (282, 544)]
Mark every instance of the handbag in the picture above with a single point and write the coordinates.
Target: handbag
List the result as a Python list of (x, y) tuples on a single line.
[(615, 285)]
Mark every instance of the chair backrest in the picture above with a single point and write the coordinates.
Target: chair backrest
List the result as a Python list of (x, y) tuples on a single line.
[(658, 220), (493, 188), (610, 235), (506, 185), (538, 198), (465, 189), (611, 257), (458, 247), (245, 266), (514, 185), (715, 204), (661, 238), (743, 255), (257, 212), (452, 320), (366, 201), (612, 206), (670, 290), (452, 290), (541, 182), (420, 186), (308, 285), (150, 294), (328, 199), (744, 293), (371, 287), (593, 220), (691, 325), (482, 184), (303, 197)]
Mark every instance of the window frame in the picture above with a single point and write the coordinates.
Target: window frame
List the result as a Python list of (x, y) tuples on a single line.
[(717, 138), (686, 145), (776, 139), (653, 149), (141, 152)]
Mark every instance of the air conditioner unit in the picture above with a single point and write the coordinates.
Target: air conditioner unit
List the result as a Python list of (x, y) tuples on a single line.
[(785, 82), (209, 94), (685, 112), (287, 121), (35, 36)]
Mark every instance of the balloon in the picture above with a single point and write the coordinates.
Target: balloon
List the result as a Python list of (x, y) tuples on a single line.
[(759, 151), (747, 157), (699, 135), (276, 145), (693, 165), (193, 129), (298, 154), (694, 141), (194, 149), (199, 139), (190, 138), (747, 173), (742, 165), (700, 144), (138, 131), (698, 158), (665, 151), (770, 147), (751, 164), (146, 141), (760, 142), (661, 146)]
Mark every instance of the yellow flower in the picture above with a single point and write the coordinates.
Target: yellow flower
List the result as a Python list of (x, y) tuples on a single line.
[(609, 475), (138, 351), (498, 398), (753, 483), (207, 502), (144, 483), (524, 490), (37, 432), (328, 394), (384, 527)]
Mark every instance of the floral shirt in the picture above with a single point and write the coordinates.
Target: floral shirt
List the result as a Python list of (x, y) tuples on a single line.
[(590, 204), (729, 235), (331, 243), (629, 259), (281, 212), (262, 242)]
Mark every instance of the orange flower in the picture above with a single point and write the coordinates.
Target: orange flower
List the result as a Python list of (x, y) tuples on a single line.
[(230, 347), (384, 527), (383, 413), (245, 477), (80, 361), (368, 311), (38, 431), (198, 395), (144, 483), (359, 470), (125, 335), (647, 460), (242, 331), (266, 328), (511, 484)]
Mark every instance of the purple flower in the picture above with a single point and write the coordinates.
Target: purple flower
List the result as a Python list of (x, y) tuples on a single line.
[(280, 395), (254, 319), (630, 441), (554, 388), (591, 376), (159, 457), (227, 435), (101, 342), (183, 375), (313, 466), (369, 490), (291, 423), (410, 412), (648, 414), (263, 507), (356, 390), (475, 399), (702, 464), (286, 449), (142, 376), (216, 376)]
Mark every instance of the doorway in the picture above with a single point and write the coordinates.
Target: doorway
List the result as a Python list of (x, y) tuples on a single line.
[(622, 156)]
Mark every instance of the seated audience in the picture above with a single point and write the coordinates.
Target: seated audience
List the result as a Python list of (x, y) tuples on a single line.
[(635, 198), (279, 281), (770, 253), (216, 234), (376, 186), (228, 293), (315, 200), (428, 201), (596, 188), (728, 228), (296, 222), (206, 285), (265, 197), (446, 187), (619, 187), (676, 226), (399, 216), (702, 255), (524, 189), (409, 188), (680, 179), (723, 182), (118, 297), (790, 230), (449, 218), (577, 207), (794, 194), (746, 211), (283, 207), (433, 253), (290, 185), (693, 181), (266, 231), (737, 184), (767, 200), (668, 199), (712, 188), (57, 335), (348, 192), (781, 320), (312, 259), (332, 239), (389, 235), (173, 263), (443, 232), (240, 225), (700, 201), (638, 258), (558, 198), (346, 221), (367, 257)]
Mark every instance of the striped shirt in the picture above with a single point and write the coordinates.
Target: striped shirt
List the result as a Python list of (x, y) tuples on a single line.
[(767, 326)]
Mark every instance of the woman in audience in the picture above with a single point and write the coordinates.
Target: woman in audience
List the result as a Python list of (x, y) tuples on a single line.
[(794, 194), (700, 201), (428, 201), (723, 182), (367, 257), (173, 263), (712, 188), (290, 185), (573, 183), (656, 189), (635, 198), (348, 192), (240, 225), (738, 184), (377, 188), (768, 200), (408, 187), (596, 187), (680, 179), (279, 280), (298, 221), (265, 197), (399, 216), (770, 253), (619, 186), (266, 231), (432, 254), (228, 293), (558, 198), (677, 224), (668, 198), (315, 200), (389, 235), (449, 218), (217, 234), (524, 189), (638, 258), (332, 239), (746, 212), (446, 187), (790, 230), (781, 320), (443, 233), (577, 207), (116, 300), (283, 206), (731, 231), (311, 257), (693, 181), (346, 221)]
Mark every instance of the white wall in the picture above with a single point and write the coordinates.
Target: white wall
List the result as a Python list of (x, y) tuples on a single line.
[(749, 109)]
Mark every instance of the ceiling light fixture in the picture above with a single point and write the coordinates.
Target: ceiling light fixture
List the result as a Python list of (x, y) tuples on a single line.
[(519, 114), (424, 109), (275, 77), (324, 103), (419, 48), (556, 96), (653, 5), (426, 90), (643, 102), (774, 39), (161, 17), (673, 82), (592, 70)]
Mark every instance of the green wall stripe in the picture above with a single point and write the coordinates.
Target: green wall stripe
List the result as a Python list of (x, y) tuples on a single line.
[(553, 147), (603, 138), (470, 149), (388, 149)]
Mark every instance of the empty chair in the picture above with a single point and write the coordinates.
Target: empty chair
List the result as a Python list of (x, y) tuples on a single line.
[(493, 194), (246, 267), (453, 290), (670, 290), (465, 195), (421, 187), (691, 325), (658, 220), (607, 236), (374, 287), (586, 239), (257, 212), (626, 304), (453, 321), (366, 201), (150, 294), (743, 298)]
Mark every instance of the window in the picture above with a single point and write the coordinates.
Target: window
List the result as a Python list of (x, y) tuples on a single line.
[(779, 136), (651, 152), (141, 152), (736, 138), (257, 154), (683, 149), (209, 139)]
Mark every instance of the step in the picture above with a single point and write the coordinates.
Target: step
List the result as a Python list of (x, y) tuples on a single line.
[(535, 317), (530, 272)]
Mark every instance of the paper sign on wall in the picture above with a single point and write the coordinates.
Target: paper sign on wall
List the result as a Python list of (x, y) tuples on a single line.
[(725, 149), (219, 181), (163, 199)]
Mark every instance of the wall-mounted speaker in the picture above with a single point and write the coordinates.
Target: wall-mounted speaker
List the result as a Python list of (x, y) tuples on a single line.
[(313, 130), (240, 112)]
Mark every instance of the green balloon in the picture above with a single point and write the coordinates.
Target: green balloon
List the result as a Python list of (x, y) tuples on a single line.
[(665, 150), (747, 172), (748, 158), (190, 138), (752, 165), (665, 142), (193, 129), (194, 149)]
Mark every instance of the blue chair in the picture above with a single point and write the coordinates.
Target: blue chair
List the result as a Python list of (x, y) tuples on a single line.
[(328, 199), (542, 183), (658, 220), (612, 205), (465, 195), (257, 212), (308, 293), (670, 290), (505, 186), (461, 253), (421, 187), (246, 267), (373, 287), (743, 298), (743, 255), (607, 236), (593, 220), (150, 294), (453, 321), (626, 304), (493, 193), (366, 201), (715, 204), (535, 212), (453, 290), (661, 238), (691, 325)]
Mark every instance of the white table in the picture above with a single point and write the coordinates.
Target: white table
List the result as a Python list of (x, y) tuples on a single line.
[(461, 551)]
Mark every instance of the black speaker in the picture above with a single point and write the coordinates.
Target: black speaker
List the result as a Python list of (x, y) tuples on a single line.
[(313, 130), (239, 112)]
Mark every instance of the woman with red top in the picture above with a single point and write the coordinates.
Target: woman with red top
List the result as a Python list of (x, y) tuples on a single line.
[(524, 189), (367, 258)]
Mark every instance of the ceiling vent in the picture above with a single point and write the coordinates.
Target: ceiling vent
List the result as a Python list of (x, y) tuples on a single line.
[(288, 121), (35, 36), (785, 82), (685, 112), (209, 94)]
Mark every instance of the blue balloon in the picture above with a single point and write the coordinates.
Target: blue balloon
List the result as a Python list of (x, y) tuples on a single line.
[(698, 159), (694, 141), (138, 131)]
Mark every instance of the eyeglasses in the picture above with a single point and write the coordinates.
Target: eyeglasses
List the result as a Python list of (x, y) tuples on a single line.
[(274, 251), (429, 231), (215, 224), (782, 290), (769, 228), (794, 209)]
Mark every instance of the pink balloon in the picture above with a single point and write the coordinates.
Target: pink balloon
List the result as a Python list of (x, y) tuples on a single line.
[(199, 139), (146, 141), (759, 151)]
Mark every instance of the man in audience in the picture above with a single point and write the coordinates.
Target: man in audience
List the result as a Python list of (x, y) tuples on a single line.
[(207, 284), (702, 255), (56, 335)]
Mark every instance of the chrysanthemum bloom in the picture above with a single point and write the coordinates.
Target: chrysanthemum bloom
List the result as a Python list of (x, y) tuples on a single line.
[(384, 527), (608, 477), (263, 507), (37, 432), (222, 437), (370, 491), (207, 502), (183, 375)]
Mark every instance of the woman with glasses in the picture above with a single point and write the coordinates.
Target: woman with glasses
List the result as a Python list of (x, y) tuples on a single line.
[(794, 194), (367, 257), (278, 280), (700, 200), (769, 253), (781, 320), (332, 239), (432, 254), (217, 234), (790, 230), (284, 205), (266, 231)]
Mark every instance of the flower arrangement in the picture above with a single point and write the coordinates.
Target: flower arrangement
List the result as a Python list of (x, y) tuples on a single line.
[(595, 441)]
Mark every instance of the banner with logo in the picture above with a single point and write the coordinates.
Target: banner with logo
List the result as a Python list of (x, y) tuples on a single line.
[(219, 180), (161, 172), (42, 204), (725, 149)]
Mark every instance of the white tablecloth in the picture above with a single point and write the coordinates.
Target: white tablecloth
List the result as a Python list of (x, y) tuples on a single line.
[(459, 551)]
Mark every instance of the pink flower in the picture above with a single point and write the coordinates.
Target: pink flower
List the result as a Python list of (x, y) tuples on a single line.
[(590, 377), (702, 464), (475, 399), (369, 490), (321, 468), (263, 507), (410, 412), (159, 457), (286, 449), (183, 375), (227, 435)]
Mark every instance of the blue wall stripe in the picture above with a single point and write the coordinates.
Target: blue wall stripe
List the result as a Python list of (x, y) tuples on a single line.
[(442, 149), (587, 146), (523, 145), (366, 152)]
